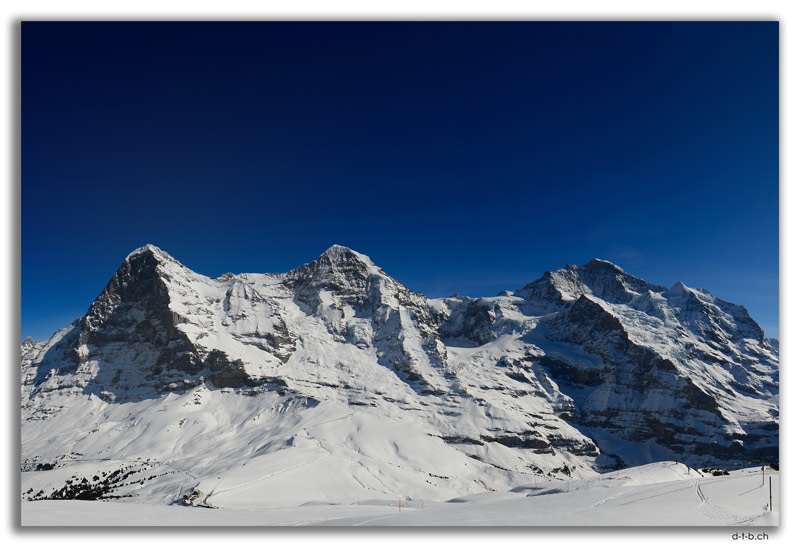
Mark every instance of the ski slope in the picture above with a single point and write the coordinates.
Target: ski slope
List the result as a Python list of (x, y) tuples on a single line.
[(658, 494)]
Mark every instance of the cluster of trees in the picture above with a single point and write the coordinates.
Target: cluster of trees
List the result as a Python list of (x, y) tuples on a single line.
[(81, 488)]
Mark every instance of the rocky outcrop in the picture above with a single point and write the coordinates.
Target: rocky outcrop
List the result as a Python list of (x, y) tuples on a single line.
[(598, 278)]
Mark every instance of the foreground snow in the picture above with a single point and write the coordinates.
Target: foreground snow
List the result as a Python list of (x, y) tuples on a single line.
[(659, 494)]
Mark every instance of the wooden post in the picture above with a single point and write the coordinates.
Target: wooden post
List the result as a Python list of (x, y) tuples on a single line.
[(399, 504)]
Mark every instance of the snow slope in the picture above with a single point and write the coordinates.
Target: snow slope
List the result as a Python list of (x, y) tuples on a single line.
[(659, 494)]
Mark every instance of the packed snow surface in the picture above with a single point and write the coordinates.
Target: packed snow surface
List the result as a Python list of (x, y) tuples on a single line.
[(662, 493)]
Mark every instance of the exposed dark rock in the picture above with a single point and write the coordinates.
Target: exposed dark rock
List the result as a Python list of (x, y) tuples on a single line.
[(455, 439), (523, 440), (564, 372), (473, 321)]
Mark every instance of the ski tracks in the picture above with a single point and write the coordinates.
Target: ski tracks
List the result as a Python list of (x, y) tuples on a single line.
[(606, 500), (699, 492), (715, 512)]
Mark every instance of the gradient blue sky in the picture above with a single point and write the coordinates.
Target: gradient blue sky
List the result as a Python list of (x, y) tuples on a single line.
[(463, 158)]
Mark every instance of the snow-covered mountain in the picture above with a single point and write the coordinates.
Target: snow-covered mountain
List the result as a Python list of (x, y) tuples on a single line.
[(335, 381)]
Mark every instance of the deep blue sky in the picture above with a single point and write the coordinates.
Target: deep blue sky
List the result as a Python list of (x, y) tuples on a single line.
[(462, 157)]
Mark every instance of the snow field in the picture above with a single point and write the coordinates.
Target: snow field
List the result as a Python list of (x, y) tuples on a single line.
[(659, 494)]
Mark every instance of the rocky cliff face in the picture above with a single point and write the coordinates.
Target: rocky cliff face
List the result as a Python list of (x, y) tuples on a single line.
[(361, 305), (679, 365), (587, 368)]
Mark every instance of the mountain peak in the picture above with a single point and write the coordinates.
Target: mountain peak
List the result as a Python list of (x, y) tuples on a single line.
[(339, 254), (336, 248), (602, 266), (151, 250), (148, 248), (597, 277), (678, 289), (338, 267)]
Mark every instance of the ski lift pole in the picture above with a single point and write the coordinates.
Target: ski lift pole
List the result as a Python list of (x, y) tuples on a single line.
[(770, 493)]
